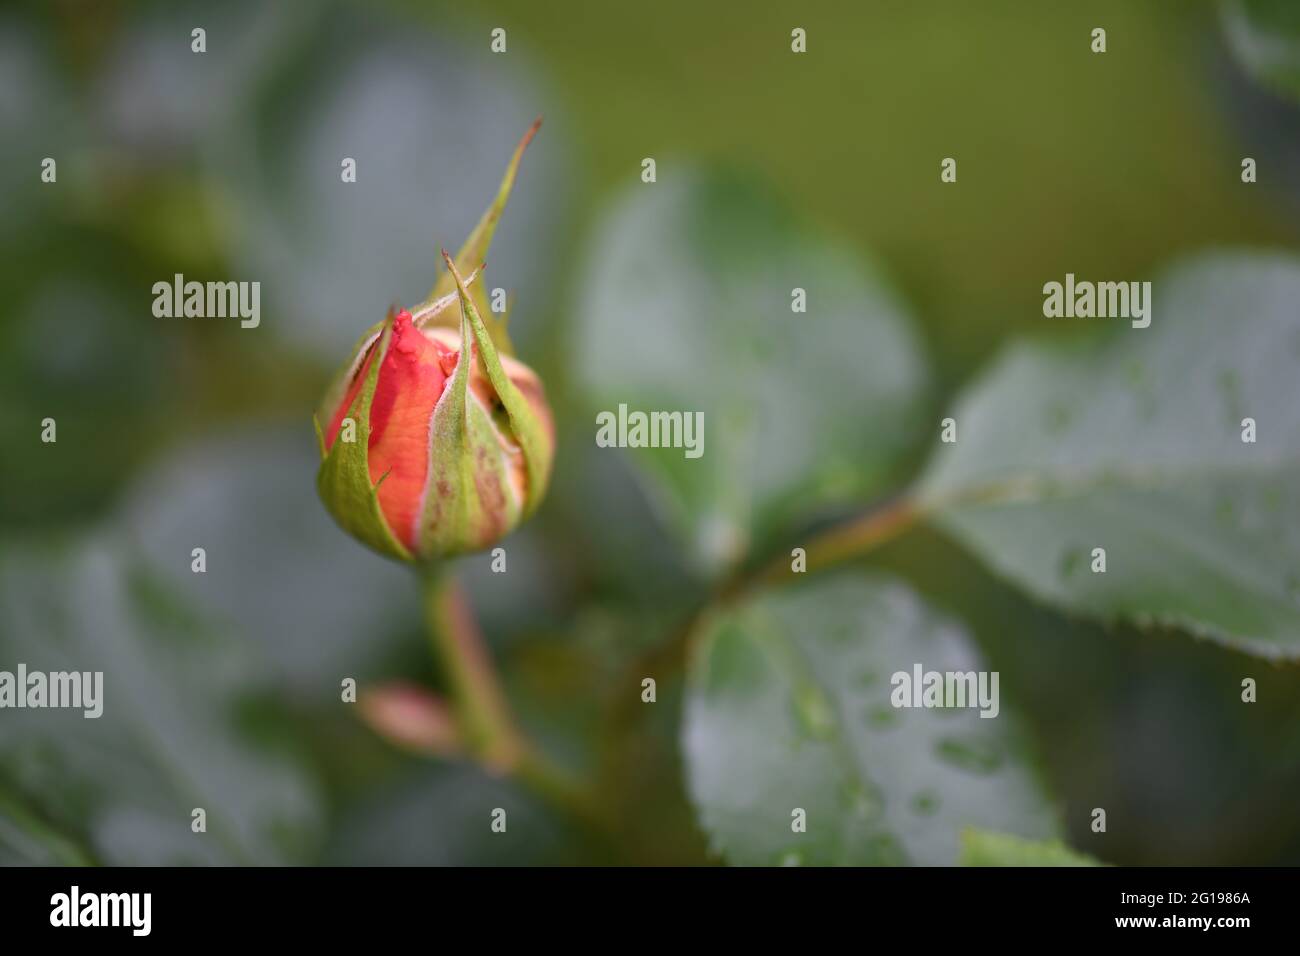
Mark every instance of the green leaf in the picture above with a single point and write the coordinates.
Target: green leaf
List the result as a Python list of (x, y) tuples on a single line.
[(789, 706), (1264, 35), (981, 848), (170, 738), (1134, 444), (686, 306)]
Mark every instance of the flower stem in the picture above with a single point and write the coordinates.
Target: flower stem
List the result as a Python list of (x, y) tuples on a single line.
[(854, 538), (843, 542), (483, 716), (487, 727)]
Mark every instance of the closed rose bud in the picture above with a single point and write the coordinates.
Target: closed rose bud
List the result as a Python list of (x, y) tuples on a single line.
[(433, 442)]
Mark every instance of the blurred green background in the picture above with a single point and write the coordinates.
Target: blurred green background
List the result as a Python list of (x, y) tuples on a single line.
[(177, 433)]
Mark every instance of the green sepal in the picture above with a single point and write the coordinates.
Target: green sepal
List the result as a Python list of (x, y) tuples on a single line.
[(338, 386), (475, 250), (529, 431), (344, 477), (320, 436), (469, 502)]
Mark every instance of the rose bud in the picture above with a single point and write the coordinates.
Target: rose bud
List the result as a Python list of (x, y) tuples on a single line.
[(434, 442)]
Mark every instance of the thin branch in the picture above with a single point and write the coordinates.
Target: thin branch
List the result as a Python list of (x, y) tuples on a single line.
[(486, 724), (482, 712)]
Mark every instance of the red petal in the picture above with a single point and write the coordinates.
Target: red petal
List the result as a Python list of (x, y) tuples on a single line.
[(411, 380)]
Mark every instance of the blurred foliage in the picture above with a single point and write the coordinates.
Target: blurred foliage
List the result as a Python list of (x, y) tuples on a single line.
[(791, 705), (979, 848), (1265, 36), (1140, 445), (686, 305), (169, 741), (181, 433)]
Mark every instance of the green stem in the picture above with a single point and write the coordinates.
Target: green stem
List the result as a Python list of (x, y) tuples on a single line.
[(562, 790), (488, 729), (854, 538), (843, 542)]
